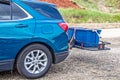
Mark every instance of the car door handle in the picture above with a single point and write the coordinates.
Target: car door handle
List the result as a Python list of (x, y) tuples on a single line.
[(21, 26)]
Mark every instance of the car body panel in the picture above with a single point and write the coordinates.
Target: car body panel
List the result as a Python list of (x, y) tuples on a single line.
[(37, 28), (52, 32), (11, 37)]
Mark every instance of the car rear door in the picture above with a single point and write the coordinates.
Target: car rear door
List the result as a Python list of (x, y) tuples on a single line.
[(16, 29)]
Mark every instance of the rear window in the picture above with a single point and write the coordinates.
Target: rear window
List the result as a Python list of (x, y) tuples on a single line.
[(45, 9)]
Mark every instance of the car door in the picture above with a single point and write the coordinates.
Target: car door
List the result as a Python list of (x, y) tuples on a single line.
[(16, 29)]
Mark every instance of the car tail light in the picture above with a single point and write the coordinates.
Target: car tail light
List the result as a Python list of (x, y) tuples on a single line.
[(64, 26)]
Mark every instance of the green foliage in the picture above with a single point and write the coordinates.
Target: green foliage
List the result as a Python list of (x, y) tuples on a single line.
[(88, 4), (92, 12), (111, 3), (81, 16), (93, 4)]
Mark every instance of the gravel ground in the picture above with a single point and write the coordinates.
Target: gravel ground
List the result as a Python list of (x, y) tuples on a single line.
[(82, 65)]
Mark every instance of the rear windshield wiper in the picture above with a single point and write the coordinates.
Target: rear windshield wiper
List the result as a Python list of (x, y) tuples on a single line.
[(5, 2)]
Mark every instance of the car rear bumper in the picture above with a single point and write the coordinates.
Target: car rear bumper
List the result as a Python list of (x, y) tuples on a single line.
[(59, 57)]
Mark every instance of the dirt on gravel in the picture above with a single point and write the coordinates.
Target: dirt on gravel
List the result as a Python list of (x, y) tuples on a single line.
[(63, 3), (96, 25), (82, 65)]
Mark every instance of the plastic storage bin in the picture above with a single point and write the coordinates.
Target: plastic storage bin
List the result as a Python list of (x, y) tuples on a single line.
[(70, 33), (84, 37), (87, 37)]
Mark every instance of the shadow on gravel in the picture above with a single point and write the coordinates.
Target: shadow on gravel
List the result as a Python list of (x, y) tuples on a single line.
[(81, 65), (9, 75)]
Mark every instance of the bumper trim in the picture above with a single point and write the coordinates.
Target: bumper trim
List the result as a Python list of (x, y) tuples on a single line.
[(6, 65), (59, 57)]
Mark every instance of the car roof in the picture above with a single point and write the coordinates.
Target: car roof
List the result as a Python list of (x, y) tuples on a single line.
[(30, 1), (37, 1), (5, 1)]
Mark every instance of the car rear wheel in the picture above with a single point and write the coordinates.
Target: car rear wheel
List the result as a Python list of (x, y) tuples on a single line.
[(34, 61)]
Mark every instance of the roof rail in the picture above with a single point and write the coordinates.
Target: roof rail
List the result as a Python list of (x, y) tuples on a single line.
[(5, 1)]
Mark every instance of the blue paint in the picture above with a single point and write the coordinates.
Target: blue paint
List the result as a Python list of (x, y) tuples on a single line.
[(87, 37), (70, 33), (39, 29), (84, 36)]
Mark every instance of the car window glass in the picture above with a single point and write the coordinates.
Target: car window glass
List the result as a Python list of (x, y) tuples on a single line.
[(17, 12), (45, 9), (5, 11)]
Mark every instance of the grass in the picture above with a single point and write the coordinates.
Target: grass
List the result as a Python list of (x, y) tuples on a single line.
[(91, 12), (93, 4), (111, 3), (88, 4), (81, 16)]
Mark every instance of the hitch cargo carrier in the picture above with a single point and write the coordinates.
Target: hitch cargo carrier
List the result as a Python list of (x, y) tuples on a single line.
[(88, 39)]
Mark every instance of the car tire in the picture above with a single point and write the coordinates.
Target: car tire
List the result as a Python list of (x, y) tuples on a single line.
[(34, 61)]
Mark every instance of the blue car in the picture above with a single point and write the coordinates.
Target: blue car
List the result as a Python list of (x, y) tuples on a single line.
[(32, 37)]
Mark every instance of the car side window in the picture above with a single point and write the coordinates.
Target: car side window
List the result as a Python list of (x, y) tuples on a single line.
[(17, 12), (5, 11)]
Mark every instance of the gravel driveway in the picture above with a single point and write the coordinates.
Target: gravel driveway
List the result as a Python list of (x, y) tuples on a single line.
[(83, 65)]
